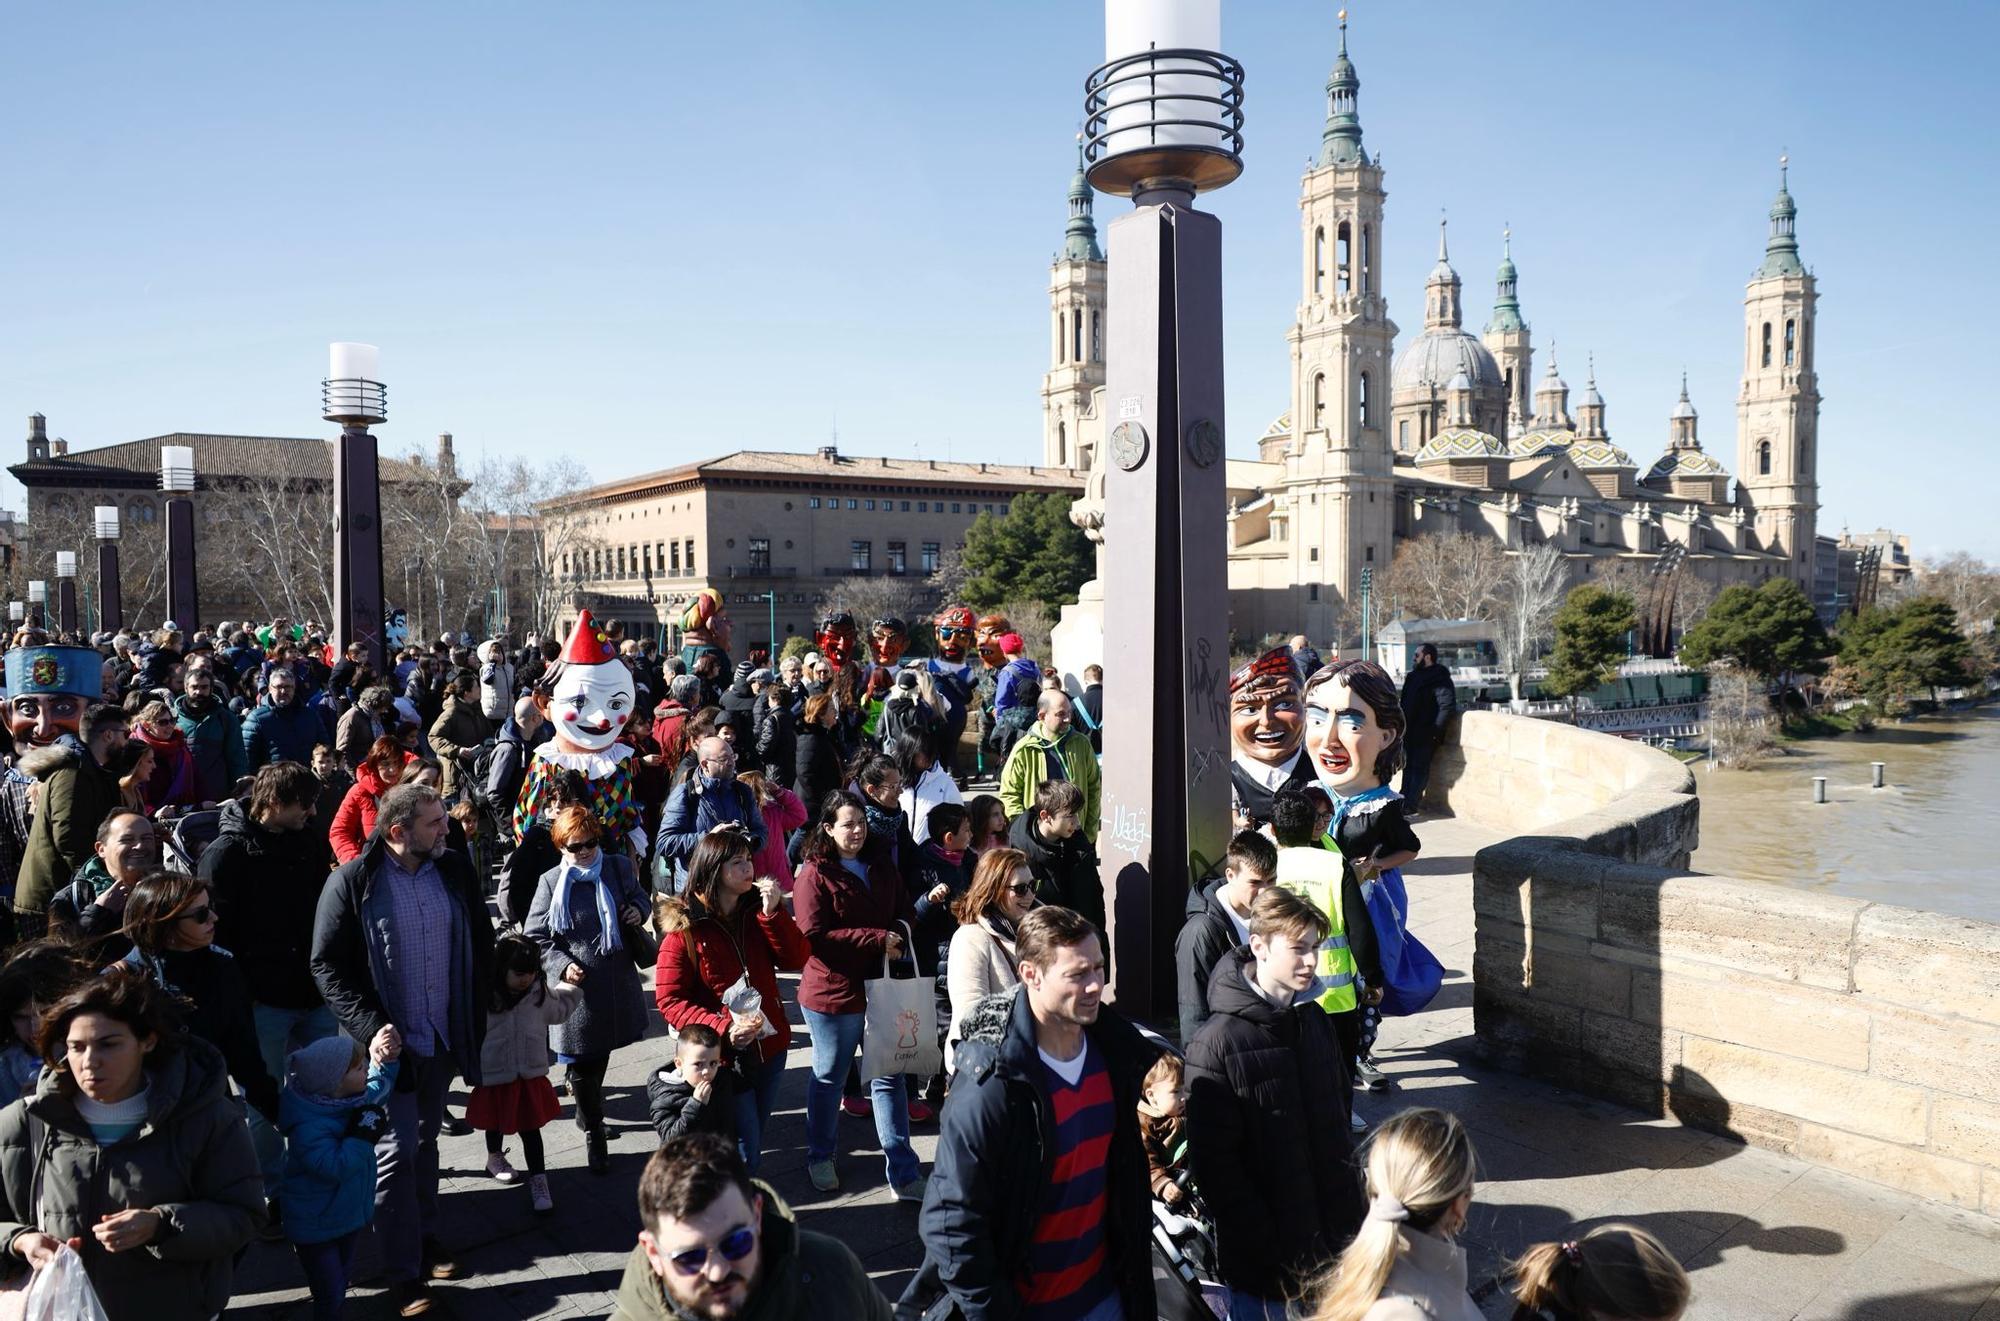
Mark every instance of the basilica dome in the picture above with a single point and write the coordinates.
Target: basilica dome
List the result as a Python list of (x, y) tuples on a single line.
[(1431, 359), (1461, 443), (1599, 454)]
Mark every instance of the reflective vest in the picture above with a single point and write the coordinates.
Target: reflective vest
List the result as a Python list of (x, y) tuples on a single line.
[(1314, 875)]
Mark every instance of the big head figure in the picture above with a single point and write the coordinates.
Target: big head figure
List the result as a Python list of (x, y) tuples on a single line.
[(47, 691), (589, 698), (1354, 726)]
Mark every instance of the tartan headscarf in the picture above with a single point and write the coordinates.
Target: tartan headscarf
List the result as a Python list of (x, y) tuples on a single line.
[(1275, 668)]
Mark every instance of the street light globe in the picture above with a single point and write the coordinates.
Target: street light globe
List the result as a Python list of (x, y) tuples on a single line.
[(38, 592), (1165, 110), (176, 467), (107, 522), (353, 393), (17, 610), (65, 564)]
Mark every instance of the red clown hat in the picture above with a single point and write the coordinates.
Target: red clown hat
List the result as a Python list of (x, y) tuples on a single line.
[(588, 644)]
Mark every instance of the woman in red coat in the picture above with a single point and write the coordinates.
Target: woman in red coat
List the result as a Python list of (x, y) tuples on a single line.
[(355, 821), (730, 926), (852, 906)]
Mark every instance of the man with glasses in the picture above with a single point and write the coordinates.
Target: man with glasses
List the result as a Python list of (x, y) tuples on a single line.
[(710, 797), (718, 1244)]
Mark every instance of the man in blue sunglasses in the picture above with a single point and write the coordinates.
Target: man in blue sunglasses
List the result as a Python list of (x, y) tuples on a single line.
[(718, 1244)]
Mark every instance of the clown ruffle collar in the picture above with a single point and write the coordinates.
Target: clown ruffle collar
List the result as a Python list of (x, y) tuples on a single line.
[(593, 765)]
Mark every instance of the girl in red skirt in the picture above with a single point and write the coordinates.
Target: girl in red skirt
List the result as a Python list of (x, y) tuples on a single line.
[(513, 1095)]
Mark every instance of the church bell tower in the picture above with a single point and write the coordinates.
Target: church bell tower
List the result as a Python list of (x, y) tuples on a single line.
[(1777, 409), (1076, 350)]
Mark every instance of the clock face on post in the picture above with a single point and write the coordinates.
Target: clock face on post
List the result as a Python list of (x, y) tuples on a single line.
[(1129, 445)]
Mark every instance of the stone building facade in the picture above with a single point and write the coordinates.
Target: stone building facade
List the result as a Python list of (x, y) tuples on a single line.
[(778, 535)]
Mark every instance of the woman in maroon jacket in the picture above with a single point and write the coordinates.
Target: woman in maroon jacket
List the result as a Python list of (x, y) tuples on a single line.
[(730, 925), (849, 901)]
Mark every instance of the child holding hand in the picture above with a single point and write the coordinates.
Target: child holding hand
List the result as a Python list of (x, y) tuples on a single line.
[(332, 1111)]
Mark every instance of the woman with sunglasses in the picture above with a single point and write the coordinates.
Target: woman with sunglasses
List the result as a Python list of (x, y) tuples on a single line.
[(981, 959), (171, 924)]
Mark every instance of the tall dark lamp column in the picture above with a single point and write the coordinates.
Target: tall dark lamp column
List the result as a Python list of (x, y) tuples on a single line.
[(354, 396), (66, 591), (38, 603), (110, 604), (1163, 122), (177, 480)]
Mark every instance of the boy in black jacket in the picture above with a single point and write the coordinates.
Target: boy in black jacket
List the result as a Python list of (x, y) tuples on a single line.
[(695, 1093), (1059, 854)]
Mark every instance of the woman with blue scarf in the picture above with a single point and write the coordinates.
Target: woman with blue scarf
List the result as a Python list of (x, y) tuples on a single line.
[(581, 906)]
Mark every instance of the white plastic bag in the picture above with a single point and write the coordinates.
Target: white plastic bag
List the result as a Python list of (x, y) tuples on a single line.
[(899, 1035), (742, 1000), (61, 1292)]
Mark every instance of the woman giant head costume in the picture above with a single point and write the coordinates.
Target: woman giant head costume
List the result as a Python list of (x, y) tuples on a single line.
[(1354, 726), (589, 698)]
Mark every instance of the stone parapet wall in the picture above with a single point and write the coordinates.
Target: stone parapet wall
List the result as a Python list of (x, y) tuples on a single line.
[(1855, 1035)]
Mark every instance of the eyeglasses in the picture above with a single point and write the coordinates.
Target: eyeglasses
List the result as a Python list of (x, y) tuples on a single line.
[(735, 1246), (1022, 890), (202, 914)]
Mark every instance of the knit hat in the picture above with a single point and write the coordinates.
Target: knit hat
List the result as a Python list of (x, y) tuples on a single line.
[(317, 1069)]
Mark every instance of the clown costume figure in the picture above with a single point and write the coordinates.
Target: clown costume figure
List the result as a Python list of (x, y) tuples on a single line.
[(587, 698), (1354, 740), (1267, 726)]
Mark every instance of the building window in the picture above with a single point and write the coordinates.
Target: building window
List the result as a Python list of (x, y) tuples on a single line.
[(1403, 434), (1319, 402), (760, 554), (1343, 258), (923, 506), (143, 511), (1791, 342), (1763, 458), (690, 546), (1312, 591), (859, 554), (853, 504), (1003, 511), (869, 505), (1368, 554), (812, 502), (1097, 336), (1767, 344), (1062, 444), (646, 559), (906, 506), (1366, 408), (898, 558), (1076, 331), (1319, 260), (1312, 554), (930, 560), (1368, 259), (954, 507), (677, 559)]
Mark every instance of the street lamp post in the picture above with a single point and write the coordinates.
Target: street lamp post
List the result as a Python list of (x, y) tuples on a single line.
[(66, 591), (354, 396), (38, 600), (110, 604), (177, 479), (771, 598), (1163, 123)]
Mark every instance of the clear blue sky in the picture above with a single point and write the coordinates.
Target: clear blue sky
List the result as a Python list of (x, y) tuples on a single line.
[(645, 233)]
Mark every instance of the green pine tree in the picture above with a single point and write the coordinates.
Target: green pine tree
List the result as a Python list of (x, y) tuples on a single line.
[(1034, 553), (1591, 630), (1770, 630)]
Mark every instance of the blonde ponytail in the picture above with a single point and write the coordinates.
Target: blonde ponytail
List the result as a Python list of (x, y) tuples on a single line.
[(1419, 1164)]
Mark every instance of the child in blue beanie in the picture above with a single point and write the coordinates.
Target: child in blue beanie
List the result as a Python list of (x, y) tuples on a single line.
[(331, 1113)]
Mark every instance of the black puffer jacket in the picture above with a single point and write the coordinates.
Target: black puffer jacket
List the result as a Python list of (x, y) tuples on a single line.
[(1204, 938), (1268, 1141), (266, 884), (1065, 869), (816, 768), (986, 1188)]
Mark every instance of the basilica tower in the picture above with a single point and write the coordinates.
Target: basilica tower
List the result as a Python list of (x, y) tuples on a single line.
[(1506, 337), (1340, 366), (1777, 409), (1076, 317)]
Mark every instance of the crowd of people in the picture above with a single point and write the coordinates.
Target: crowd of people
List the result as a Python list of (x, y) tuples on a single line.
[(265, 905)]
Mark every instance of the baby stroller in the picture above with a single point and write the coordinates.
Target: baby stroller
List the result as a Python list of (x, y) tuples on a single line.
[(187, 836)]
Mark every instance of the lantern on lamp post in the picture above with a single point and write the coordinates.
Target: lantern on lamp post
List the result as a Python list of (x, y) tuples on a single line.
[(17, 613), (38, 600), (110, 604), (354, 396), (1163, 123), (66, 591), (177, 480)]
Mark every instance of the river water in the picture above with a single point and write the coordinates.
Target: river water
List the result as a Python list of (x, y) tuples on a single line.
[(1925, 841)]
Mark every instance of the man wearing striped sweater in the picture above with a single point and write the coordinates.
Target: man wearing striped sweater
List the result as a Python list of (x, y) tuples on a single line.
[(1038, 1203)]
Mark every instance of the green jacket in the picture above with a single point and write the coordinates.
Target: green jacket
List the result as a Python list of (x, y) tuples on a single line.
[(191, 1160), (76, 795), (460, 727), (1028, 765), (805, 1275)]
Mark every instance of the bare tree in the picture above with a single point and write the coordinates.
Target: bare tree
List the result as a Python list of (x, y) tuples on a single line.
[(280, 522), (1967, 584), (1692, 594), (912, 598), (1525, 607), (1453, 575), (1739, 717)]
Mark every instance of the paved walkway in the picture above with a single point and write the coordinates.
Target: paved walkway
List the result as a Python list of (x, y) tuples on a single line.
[(1766, 1237)]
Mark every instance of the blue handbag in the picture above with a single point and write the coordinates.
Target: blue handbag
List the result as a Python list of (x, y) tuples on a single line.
[(1411, 974)]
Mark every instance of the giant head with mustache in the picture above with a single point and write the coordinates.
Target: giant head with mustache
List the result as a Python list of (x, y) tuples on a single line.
[(1266, 725)]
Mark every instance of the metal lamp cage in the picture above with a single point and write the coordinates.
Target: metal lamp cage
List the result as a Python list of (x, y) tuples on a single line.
[(65, 564), (176, 468), (107, 522), (1164, 115), (354, 401)]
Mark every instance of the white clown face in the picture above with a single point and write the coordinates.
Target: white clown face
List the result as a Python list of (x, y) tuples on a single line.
[(590, 704)]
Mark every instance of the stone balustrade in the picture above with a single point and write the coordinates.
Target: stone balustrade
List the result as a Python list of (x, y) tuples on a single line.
[(1857, 1035)]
